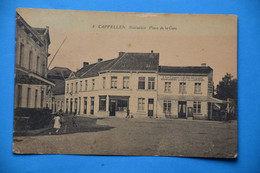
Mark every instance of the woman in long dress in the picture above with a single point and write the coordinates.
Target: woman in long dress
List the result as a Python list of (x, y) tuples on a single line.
[(57, 124)]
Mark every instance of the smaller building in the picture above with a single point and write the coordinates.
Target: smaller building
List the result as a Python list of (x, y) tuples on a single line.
[(55, 95)]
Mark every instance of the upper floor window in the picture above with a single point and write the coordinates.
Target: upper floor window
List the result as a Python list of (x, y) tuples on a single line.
[(21, 54), (93, 84), (197, 107), (141, 83), (182, 88), (71, 89), (80, 86), (167, 87), (38, 64), (104, 82), (67, 88), (30, 60), (113, 82), (151, 83), (86, 85), (126, 82), (76, 87), (197, 88)]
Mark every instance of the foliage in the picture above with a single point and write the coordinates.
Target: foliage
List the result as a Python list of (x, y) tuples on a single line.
[(227, 88)]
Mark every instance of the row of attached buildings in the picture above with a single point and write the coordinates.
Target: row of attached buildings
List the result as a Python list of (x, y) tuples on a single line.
[(132, 81)]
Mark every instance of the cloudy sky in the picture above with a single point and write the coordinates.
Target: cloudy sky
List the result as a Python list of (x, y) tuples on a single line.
[(189, 40)]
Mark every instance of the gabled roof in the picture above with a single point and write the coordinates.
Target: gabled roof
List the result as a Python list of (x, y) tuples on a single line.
[(62, 72), (125, 61), (59, 88), (186, 69)]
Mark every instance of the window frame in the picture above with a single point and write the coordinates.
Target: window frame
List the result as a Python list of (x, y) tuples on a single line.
[(151, 83), (141, 83)]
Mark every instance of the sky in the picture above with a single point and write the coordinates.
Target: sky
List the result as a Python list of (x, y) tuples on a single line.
[(190, 40)]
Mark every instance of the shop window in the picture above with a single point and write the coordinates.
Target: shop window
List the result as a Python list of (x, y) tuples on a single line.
[(151, 83), (197, 107), (182, 88), (113, 82), (167, 87), (167, 106), (122, 105), (140, 103), (102, 103), (141, 83), (197, 88), (126, 82)]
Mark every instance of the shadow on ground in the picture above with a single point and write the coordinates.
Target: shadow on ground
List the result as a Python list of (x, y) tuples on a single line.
[(70, 125)]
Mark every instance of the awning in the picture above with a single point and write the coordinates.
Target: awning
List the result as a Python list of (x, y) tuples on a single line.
[(191, 98)]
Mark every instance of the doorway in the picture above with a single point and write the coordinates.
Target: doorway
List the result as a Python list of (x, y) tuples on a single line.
[(112, 108), (182, 109), (150, 107)]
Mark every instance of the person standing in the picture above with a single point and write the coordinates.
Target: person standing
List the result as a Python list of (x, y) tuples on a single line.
[(57, 124)]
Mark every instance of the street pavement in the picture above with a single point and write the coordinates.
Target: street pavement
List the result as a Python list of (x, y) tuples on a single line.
[(137, 136)]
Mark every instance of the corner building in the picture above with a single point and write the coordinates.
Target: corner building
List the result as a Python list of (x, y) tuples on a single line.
[(135, 81)]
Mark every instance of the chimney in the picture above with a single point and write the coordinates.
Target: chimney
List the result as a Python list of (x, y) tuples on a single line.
[(85, 64), (203, 64), (121, 53), (151, 51), (100, 59)]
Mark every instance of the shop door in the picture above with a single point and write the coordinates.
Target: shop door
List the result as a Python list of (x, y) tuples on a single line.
[(182, 109), (92, 106), (150, 107), (112, 108)]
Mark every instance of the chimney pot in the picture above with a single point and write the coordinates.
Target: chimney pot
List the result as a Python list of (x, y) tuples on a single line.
[(121, 53), (151, 51), (85, 64), (203, 64), (100, 59)]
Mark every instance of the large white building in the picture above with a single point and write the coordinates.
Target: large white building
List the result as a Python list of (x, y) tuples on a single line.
[(135, 81), (31, 59)]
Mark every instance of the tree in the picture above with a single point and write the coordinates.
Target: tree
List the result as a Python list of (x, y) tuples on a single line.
[(227, 88)]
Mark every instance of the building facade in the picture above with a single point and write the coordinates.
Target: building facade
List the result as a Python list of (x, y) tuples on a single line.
[(31, 59), (135, 81)]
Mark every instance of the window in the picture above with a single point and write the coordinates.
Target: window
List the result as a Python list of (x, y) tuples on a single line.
[(151, 83), (38, 64), (79, 104), (197, 107), (71, 89), (67, 102), (36, 98), (93, 84), (126, 82), (76, 87), (197, 88), (42, 95), (21, 54), (167, 106), (104, 82), (102, 103), (122, 105), (86, 85), (182, 88), (140, 103), (167, 87), (19, 96), (80, 87), (113, 82), (30, 60), (28, 97), (85, 105), (141, 83), (67, 88)]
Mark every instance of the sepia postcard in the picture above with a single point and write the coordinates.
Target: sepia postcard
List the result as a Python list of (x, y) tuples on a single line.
[(121, 83)]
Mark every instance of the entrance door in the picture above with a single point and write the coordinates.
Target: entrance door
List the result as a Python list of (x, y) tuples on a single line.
[(92, 106), (182, 109), (150, 107), (112, 108)]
